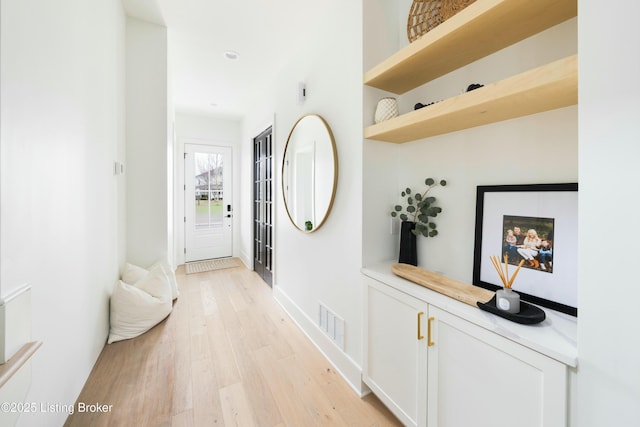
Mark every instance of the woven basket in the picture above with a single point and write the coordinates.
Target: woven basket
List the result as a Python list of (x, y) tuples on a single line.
[(428, 14)]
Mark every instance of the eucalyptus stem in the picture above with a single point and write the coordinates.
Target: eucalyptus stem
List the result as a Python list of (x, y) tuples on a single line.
[(422, 210)]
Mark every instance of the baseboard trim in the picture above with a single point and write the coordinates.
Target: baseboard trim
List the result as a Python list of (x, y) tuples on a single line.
[(342, 363), (246, 260)]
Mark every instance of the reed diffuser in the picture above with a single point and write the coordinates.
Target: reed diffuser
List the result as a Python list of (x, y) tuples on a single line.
[(506, 299)]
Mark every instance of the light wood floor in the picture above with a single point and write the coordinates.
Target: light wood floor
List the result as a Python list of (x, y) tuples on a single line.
[(228, 355)]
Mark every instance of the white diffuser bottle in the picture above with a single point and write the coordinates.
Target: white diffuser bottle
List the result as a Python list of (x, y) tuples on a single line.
[(507, 300)]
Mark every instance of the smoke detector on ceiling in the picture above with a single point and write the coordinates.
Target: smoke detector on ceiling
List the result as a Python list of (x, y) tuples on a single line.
[(232, 55)]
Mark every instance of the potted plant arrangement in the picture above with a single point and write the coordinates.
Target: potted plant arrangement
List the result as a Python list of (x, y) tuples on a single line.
[(417, 219)]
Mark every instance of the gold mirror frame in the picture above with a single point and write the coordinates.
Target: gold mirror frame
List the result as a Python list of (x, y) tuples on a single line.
[(325, 138)]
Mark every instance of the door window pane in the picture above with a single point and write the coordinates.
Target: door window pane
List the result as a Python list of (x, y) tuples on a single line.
[(209, 191)]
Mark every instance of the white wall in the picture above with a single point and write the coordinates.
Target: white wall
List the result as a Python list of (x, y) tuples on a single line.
[(148, 155), (608, 344), (61, 229), (322, 266), (205, 130)]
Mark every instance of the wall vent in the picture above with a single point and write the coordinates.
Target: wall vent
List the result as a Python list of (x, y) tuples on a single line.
[(331, 325)]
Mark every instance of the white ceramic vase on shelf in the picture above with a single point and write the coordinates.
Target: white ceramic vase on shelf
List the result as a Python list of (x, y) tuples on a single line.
[(387, 108)]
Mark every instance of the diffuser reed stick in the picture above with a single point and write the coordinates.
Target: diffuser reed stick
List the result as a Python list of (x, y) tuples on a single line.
[(504, 275), (515, 274)]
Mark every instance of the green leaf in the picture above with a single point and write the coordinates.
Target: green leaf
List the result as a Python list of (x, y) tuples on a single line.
[(420, 209)]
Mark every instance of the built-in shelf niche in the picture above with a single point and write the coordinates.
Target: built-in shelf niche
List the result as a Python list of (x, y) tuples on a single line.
[(482, 28)]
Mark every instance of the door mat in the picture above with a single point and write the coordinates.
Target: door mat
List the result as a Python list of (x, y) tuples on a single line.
[(211, 264)]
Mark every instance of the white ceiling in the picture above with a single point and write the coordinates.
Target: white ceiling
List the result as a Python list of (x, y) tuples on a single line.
[(263, 32)]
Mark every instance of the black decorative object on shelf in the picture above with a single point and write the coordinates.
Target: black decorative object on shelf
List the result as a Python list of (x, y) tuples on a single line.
[(417, 219), (528, 315), (420, 105), (471, 87), (408, 248)]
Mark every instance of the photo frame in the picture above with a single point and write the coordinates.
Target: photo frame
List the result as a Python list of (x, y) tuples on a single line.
[(547, 216)]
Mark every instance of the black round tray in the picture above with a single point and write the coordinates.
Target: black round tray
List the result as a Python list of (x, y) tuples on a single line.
[(528, 315)]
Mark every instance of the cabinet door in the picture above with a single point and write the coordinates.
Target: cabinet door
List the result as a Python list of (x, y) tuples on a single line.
[(395, 362), (478, 378)]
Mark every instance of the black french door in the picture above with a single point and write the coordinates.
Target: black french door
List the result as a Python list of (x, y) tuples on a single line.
[(263, 205)]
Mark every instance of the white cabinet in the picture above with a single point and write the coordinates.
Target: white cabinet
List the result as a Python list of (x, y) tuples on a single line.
[(476, 377), (395, 365), (436, 369)]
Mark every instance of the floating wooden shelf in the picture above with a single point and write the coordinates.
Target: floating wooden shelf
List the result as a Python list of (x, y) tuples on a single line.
[(548, 87), (482, 28)]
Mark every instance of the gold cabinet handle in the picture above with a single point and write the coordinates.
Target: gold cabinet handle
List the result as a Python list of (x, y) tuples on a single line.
[(420, 337), (429, 342)]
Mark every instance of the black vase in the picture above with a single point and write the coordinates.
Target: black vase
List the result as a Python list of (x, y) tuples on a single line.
[(408, 251)]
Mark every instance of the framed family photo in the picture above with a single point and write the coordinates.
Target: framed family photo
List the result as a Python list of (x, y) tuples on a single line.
[(535, 226)]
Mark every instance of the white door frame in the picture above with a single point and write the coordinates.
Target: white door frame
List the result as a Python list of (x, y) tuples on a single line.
[(180, 192), (209, 236)]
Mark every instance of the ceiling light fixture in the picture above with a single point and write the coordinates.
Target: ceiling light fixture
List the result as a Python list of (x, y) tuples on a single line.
[(232, 55)]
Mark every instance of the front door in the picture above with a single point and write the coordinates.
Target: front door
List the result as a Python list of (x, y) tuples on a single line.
[(208, 210)]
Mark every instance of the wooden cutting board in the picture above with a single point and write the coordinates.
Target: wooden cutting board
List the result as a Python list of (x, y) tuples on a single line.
[(464, 292)]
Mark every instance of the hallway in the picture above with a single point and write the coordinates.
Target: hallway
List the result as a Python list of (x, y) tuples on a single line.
[(227, 355)]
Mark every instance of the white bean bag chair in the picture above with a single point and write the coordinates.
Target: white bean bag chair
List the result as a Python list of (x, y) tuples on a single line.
[(139, 307)]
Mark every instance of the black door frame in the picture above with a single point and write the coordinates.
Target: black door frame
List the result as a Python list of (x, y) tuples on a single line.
[(263, 223)]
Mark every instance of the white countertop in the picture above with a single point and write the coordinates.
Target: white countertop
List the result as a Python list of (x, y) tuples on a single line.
[(555, 337)]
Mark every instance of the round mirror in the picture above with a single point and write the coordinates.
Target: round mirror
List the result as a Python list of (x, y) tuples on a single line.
[(309, 173)]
